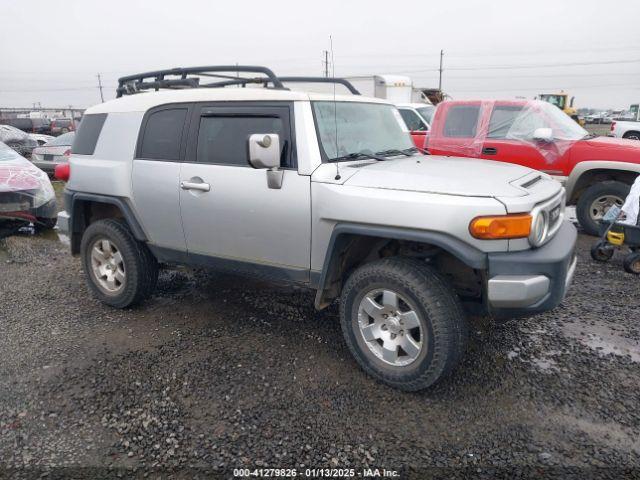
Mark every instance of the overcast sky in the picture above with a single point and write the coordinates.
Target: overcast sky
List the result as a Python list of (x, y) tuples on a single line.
[(51, 52)]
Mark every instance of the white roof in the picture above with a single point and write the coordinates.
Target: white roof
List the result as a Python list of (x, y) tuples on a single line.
[(141, 102)]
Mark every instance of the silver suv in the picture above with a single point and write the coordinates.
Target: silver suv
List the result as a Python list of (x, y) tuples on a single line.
[(321, 190)]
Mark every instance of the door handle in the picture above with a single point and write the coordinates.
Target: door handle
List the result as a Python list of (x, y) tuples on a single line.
[(489, 151), (203, 187)]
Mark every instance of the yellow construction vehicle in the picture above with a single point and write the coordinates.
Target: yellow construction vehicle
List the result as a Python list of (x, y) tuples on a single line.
[(561, 100)]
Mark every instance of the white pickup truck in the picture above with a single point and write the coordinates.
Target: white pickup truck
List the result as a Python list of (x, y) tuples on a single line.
[(627, 128)]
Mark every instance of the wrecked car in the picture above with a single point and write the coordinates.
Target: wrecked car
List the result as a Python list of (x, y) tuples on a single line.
[(26, 194)]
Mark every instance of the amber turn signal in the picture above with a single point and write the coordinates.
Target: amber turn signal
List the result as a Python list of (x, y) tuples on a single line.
[(501, 227)]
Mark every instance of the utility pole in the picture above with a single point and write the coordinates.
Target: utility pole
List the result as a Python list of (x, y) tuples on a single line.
[(100, 87), (440, 70), (326, 63)]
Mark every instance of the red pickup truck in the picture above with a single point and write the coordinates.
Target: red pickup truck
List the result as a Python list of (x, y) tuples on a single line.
[(597, 171)]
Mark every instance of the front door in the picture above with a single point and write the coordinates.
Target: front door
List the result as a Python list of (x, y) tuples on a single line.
[(509, 138), (230, 215)]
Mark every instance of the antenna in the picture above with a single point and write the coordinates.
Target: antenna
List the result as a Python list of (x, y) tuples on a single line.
[(335, 105)]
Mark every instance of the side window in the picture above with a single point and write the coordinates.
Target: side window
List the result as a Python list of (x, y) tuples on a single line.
[(84, 143), (163, 134), (413, 121), (502, 119), (222, 138), (462, 121)]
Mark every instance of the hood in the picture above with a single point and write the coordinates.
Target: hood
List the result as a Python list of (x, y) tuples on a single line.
[(17, 174), (608, 148), (444, 175)]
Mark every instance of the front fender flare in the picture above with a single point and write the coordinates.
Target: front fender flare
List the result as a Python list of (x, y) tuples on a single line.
[(342, 232)]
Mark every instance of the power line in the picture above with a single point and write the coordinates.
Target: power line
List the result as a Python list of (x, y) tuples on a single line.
[(539, 88)]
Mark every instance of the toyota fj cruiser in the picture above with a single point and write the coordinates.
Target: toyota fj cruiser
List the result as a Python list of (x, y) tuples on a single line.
[(319, 190)]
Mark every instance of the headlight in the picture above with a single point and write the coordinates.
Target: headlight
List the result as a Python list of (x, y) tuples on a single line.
[(539, 228)]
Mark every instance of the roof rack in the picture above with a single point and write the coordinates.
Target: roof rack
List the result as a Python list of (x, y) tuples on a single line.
[(340, 81), (266, 81), (179, 78), (190, 78)]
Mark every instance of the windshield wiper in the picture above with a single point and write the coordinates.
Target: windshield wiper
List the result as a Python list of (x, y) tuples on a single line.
[(588, 136), (394, 151), (355, 156)]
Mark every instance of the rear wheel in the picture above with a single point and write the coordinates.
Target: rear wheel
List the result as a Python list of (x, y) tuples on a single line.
[(121, 271), (596, 200), (602, 251), (631, 263), (402, 322), (632, 135)]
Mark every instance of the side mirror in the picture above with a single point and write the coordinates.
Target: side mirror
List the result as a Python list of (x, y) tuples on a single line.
[(264, 152), (543, 135)]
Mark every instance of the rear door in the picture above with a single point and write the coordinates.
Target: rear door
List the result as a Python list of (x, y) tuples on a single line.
[(156, 174), (232, 218), (454, 130)]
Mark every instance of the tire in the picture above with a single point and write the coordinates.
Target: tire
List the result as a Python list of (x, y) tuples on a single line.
[(438, 313), (587, 203), (45, 224), (601, 251), (632, 135), (136, 269), (631, 263)]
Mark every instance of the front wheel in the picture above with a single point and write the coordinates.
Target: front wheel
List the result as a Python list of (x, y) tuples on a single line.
[(602, 251), (121, 271), (402, 322), (596, 200), (631, 263)]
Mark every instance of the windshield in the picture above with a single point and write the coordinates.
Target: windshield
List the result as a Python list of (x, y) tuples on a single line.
[(7, 153), (427, 113), (352, 127), (557, 100)]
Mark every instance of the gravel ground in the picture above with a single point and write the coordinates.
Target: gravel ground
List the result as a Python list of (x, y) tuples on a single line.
[(217, 372)]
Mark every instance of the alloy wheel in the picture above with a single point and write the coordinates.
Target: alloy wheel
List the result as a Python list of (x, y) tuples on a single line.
[(107, 266), (391, 327)]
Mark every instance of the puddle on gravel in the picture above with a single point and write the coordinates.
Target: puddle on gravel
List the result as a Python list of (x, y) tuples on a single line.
[(603, 339)]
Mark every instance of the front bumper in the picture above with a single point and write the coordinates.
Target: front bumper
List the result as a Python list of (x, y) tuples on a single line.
[(47, 166), (532, 281)]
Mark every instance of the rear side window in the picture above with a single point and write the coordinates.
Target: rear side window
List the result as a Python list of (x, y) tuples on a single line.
[(502, 119), (462, 121), (223, 139), (86, 139), (163, 134)]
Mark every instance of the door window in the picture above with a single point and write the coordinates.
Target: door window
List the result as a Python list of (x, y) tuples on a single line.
[(223, 139), (413, 121), (462, 121), (502, 119)]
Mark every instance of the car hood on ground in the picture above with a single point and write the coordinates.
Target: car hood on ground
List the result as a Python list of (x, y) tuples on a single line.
[(443, 175), (19, 174)]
